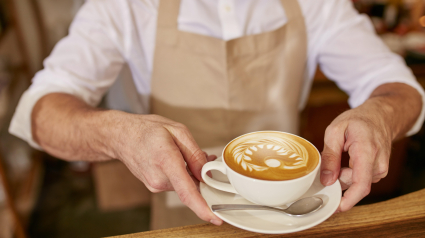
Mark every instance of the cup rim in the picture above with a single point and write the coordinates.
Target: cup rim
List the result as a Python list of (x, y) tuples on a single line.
[(273, 181)]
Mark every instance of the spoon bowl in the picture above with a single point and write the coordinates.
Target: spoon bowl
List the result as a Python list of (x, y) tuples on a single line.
[(300, 207)]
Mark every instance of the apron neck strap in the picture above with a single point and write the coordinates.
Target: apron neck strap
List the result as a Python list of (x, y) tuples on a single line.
[(168, 11), (292, 9)]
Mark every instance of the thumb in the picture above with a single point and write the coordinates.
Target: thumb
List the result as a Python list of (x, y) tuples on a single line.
[(331, 156), (346, 178)]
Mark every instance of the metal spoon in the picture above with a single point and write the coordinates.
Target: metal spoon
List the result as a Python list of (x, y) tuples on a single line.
[(301, 207)]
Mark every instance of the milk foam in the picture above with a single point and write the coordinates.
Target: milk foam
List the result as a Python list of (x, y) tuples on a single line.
[(262, 154)]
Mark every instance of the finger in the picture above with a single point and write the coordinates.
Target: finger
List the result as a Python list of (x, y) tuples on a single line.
[(187, 191), (192, 154), (380, 168), (362, 156), (189, 172), (157, 181), (331, 155), (211, 158), (345, 178), (196, 182), (160, 186), (376, 179)]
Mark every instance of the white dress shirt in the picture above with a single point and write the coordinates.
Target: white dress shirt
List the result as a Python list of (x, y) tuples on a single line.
[(106, 34)]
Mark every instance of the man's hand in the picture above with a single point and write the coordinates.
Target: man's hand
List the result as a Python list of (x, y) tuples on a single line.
[(367, 132), (368, 142), (155, 150)]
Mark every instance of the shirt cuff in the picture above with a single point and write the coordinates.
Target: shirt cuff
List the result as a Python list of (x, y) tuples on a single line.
[(419, 122), (20, 125)]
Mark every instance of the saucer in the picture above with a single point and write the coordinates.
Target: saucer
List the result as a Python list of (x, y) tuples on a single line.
[(269, 222)]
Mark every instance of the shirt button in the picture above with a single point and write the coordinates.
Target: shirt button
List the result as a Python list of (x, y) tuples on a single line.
[(228, 8)]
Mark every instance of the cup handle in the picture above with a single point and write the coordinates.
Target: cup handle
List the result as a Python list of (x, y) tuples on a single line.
[(216, 165)]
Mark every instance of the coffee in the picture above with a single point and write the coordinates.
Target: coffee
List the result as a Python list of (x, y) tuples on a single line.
[(271, 155), (284, 167)]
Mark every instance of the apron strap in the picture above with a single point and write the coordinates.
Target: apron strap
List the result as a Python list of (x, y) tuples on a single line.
[(168, 12), (292, 9)]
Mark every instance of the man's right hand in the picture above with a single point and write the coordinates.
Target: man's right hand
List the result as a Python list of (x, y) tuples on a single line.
[(155, 150)]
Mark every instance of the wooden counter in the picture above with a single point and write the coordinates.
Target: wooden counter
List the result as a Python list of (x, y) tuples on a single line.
[(399, 217)]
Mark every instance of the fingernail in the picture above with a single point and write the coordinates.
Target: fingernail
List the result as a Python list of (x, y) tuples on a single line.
[(326, 177), (215, 222)]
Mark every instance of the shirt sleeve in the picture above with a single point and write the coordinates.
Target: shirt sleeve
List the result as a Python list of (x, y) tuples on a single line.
[(84, 64), (352, 55)]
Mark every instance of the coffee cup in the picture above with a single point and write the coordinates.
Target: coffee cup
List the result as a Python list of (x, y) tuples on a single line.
[(269, 168)]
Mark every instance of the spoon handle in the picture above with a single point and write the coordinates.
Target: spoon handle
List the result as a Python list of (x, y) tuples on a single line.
[(226, 207)]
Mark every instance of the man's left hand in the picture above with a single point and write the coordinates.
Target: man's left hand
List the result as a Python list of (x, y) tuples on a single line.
[(366, 133), (363, 133)]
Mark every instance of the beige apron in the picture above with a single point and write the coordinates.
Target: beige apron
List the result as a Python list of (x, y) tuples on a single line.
[(222, 89)]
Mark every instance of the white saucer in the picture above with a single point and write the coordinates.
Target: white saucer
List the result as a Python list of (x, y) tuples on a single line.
[(272, 222)]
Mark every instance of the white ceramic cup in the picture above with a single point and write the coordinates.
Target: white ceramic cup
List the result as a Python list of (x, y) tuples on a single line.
[(263, 192)]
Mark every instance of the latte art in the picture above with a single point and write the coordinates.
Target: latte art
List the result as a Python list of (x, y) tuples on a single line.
[(263, 154), (271, 156)]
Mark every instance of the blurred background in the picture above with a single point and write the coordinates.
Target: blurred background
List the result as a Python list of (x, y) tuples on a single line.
[(41, 196)]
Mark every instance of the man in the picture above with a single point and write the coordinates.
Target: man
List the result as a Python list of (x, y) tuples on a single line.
[(213, 70)]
